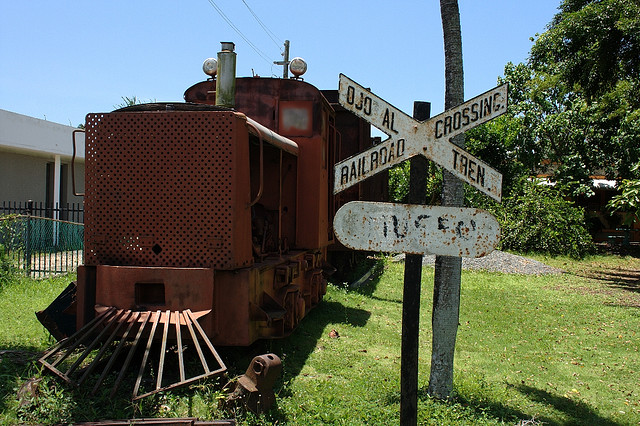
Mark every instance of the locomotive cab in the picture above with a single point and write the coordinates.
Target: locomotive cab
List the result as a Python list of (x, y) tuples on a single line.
[(296, 110)]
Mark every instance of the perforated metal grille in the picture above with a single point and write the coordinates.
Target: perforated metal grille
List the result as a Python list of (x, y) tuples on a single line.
[(160, 190)]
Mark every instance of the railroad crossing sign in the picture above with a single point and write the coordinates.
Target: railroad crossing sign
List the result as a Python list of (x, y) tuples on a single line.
[(417, 229), (409, 137)]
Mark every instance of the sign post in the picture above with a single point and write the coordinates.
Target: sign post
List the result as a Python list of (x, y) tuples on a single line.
[(412, 282), (417, 229)]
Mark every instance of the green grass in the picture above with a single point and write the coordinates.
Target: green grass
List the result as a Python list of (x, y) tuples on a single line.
[(559, 349)]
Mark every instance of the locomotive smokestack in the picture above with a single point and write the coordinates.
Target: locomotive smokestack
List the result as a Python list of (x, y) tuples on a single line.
[(226, 84)]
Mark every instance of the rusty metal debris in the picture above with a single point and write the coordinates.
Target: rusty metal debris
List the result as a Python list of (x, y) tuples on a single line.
[(183, 421), (254, 389), (76, 356)]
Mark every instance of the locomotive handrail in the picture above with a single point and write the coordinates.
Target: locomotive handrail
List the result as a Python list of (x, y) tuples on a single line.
[(285, 144), (261, 187), (73, 166)]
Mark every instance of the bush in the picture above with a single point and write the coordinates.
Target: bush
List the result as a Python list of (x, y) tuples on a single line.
[(399, 177), (399, 183), (6, 268), (10, 245), (536, 218)]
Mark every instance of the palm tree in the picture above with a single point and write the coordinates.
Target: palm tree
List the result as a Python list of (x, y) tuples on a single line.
[(446, 291)]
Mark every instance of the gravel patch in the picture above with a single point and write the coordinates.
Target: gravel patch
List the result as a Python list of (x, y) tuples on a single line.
[(499, 261)]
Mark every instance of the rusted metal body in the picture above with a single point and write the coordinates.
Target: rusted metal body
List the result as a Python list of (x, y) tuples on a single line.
[(181, 421), (204, 226), (187, 209), (417, 229), (298, 111)]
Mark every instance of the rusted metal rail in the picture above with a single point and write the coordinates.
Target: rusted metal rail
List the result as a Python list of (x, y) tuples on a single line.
[(183, 421)]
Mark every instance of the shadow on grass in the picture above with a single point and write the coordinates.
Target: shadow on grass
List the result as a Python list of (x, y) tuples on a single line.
[(575, 412), (623, 279), (295, 349), (632, 250), (369, 289), (15, 363)]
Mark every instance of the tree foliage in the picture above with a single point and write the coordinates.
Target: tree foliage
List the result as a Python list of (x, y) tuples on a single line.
[(538, 219), (628, 200), (575, 101), (592, 45), (574, 109), (574, 113)]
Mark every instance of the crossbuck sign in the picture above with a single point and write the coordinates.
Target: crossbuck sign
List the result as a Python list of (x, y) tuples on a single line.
[(409, 137)]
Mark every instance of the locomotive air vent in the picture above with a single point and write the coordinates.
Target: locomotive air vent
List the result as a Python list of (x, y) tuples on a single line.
[(159, 189)]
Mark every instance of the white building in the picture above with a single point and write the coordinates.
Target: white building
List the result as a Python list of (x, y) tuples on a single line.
[(35, 161)]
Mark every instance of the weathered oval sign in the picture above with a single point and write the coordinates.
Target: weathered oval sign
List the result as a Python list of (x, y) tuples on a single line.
[(418, 229)]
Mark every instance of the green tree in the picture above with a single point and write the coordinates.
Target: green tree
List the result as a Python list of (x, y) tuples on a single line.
[(592, 45), (628, 200), (574, 110), (576, 98)]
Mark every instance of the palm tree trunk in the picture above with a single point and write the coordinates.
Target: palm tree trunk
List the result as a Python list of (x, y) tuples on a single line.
[(446, 291)]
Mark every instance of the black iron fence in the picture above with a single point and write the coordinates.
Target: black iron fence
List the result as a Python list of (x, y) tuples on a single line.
[(41, 239)]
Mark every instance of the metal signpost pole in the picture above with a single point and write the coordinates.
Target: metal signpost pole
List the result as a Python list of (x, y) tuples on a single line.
[(411, 293)]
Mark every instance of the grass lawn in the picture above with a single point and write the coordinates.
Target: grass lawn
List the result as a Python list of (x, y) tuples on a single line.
[(555, 349)]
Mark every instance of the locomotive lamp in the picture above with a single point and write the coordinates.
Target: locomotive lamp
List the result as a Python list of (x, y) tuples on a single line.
[(297, 66), (210, 67)]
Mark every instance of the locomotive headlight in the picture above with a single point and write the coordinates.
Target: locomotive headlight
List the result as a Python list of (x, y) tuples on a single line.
[(210, 67), (298, 66)]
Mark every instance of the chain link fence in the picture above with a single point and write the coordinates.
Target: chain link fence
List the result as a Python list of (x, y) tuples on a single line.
[(37, 245)]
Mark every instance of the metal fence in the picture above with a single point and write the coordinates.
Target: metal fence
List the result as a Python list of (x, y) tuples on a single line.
[(40, 239)]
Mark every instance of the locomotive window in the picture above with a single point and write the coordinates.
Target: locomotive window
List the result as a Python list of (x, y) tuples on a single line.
[(295, 118), (150, 294)]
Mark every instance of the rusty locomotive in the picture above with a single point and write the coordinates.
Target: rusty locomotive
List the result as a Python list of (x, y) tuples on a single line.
[(208, 222)]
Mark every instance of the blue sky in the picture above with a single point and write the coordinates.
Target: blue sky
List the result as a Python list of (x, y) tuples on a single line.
[(60, 60)]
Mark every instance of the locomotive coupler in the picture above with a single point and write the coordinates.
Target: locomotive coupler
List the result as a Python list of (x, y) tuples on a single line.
[(254, 389)]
